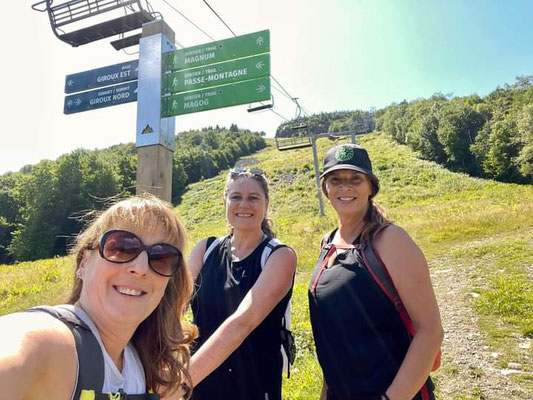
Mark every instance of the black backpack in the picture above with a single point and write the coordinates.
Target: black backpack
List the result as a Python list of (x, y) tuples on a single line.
[(90, 359)]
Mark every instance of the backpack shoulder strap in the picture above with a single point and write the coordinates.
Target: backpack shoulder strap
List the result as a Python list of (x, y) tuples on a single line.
[(271, 246), (211, 244), (327, 238), (378, 270), (90, 359)]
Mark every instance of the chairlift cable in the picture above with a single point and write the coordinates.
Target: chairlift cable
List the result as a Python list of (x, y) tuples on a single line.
[(272, 76), (279, 115), (283, 93), (188, 20), (214, 12)]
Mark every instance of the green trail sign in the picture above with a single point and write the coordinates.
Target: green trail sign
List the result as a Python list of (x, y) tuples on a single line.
[(218, 51), (217, 97), (219, 74)]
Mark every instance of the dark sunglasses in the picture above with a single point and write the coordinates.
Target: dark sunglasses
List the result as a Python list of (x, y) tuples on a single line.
[(120, 246), (253, 171)]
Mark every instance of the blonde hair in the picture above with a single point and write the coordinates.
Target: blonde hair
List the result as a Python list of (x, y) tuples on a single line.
[(266, 224), (376, 217), (163, 339)]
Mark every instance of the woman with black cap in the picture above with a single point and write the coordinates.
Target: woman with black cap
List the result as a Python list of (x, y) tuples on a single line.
[(375, 319)]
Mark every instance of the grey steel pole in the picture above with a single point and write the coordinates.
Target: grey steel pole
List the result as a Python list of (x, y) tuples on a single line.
[(155, 135), (352, 135), (317, 177)]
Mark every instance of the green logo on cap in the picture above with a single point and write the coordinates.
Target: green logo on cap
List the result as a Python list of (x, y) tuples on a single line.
[(345, 153)]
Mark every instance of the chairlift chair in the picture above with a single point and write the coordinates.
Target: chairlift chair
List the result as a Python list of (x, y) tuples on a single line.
[(298, 140), (76, 11)]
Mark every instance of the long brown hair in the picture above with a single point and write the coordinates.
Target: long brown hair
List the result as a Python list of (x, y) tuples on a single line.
[(266, 224), (163, 339), (376, 217)]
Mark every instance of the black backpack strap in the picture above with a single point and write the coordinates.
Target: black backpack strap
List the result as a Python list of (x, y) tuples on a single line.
[(380, 274), (327, 238), (90, 359)]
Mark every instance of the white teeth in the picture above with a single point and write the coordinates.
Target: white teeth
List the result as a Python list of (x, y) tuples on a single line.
[(128, 291), (244, 215), (346, 198)]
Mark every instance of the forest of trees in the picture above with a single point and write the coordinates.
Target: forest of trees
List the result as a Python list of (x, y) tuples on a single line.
[(328, 122), (490, 137), (41, 205)]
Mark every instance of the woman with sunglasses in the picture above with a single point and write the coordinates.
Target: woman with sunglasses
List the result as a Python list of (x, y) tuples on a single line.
[(122, 329), (240, 303), (362, 340)]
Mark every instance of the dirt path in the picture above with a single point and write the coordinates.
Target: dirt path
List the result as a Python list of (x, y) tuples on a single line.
[(469, 369)]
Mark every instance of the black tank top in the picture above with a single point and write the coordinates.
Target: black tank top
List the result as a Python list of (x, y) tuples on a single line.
[(359, 336), (253, 371)]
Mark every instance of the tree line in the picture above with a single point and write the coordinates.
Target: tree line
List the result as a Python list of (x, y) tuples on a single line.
[(329, 122), (490, 137), (42, 205)]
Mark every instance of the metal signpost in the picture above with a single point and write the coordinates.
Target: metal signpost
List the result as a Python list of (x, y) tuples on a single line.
[(167, 82)]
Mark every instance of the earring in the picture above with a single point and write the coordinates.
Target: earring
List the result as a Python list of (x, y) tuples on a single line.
[(78, 274)]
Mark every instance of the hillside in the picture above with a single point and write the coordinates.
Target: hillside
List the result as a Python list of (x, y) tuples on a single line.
[(477, 236)]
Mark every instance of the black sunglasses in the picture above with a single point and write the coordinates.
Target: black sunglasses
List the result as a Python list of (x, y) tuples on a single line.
[(120, 246)]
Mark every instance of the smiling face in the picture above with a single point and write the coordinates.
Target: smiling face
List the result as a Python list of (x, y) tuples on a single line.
[(246, 204), (348, 191), (124, 293)]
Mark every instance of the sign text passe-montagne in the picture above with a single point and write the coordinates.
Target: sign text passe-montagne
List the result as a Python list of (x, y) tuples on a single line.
[(218, 74)]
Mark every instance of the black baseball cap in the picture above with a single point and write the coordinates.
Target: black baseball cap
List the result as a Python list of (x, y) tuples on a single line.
[(349, 156)]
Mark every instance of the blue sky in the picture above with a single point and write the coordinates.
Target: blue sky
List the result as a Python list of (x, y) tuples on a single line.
[(334, 55)]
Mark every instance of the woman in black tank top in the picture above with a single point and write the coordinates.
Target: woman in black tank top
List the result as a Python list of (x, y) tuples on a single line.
[(240, 301), (363, 346)]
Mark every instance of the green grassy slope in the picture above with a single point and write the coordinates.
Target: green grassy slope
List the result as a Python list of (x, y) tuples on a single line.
[(457, 220)]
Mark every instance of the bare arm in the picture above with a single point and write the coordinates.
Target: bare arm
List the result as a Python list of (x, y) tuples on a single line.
[(36, 362), (196, 258), (272, 285), (409, 271)]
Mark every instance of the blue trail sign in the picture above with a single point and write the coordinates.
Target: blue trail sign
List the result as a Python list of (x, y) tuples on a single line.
[(105, 97), (105, 76)]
